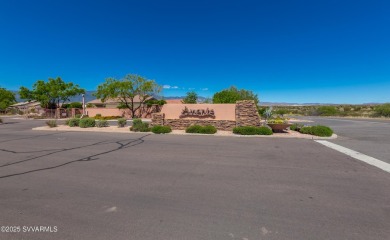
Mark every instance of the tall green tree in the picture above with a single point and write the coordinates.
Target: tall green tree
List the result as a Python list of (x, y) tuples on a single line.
[(191, 97), (128, 89), (7, 98), (51, 93), (233, 94)]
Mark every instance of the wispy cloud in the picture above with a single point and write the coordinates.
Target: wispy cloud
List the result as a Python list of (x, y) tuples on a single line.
[(170, 87), (204, 89)]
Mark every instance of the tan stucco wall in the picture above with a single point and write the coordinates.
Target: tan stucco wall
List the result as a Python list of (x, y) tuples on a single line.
[(222, 111), (105, 112)]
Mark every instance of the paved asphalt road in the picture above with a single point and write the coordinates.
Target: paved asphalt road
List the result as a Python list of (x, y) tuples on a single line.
[(141, 186), (368, 136)]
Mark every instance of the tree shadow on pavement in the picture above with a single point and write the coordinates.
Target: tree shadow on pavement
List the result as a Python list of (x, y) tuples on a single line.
[(122, 144)]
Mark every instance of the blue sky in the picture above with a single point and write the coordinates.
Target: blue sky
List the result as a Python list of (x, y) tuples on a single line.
[(286, 51)]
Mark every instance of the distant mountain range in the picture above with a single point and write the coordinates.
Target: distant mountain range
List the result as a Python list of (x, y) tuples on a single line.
[(89, 97)]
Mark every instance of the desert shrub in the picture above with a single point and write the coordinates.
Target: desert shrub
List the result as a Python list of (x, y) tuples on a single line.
[(73, 122), (161, 129), (98, 116), (327, 111), (101, 123), (51, 123), (296, 127), (281, 111), (139, 126), (208, 129), (108, 117), (261, 110), (87, 122), (383, 110), (250, 130), (122, 122), (193, 129), (321, 131)]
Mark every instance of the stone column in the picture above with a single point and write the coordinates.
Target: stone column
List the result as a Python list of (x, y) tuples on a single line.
[(247, 114), (157, 119)]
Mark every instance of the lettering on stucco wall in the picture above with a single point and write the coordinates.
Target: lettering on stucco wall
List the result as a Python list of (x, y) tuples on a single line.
[(200, 113)]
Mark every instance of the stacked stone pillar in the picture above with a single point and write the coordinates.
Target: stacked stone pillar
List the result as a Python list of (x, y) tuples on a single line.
[(157, 119), (247, 114)]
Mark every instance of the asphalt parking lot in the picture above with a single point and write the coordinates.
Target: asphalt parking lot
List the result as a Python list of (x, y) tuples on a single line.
[(144, 186)]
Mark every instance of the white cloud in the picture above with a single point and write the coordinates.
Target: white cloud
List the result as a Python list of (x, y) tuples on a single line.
[(170, 87), (204, 89)]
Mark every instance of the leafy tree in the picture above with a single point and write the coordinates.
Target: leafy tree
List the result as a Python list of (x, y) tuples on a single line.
[(7, 98), (72, 105), (126, 90), (233, 94), (51, 93), (191, 97), (152, 102)]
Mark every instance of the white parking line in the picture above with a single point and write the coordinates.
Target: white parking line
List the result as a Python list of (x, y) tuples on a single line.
[(357, 155)]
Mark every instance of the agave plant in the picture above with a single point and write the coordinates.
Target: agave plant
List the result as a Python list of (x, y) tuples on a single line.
[(267, 114)]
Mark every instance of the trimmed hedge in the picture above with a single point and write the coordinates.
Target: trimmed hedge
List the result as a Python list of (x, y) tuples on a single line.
[(208, 129), (73, 122), (101, 123), (87, 122), (250, 130), (319, 130), (161, 129), (139, 126), (296, 127), (122, 122)]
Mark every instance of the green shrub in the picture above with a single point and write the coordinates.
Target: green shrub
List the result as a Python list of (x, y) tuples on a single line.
[(250, 130), (73, 122), (122, 122), (327, 111), (321, 131), (383, 110), (87, 122), (296, 127), (101, 123), (208, 129), (107, 117), (264, 131), (161, 129), (139, 126), (193, 129), (78, 115), (98, 116), (51, 123)]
